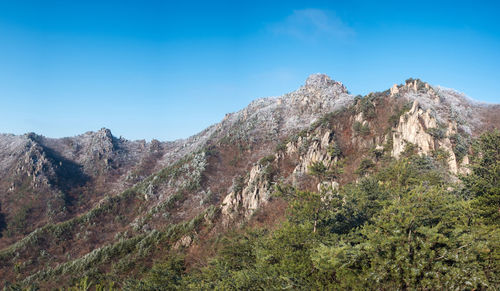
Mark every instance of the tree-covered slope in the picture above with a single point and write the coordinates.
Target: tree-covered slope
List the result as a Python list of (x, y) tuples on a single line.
[(315, 189)]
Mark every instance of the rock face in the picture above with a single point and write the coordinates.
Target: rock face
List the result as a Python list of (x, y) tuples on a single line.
[(249, 195), (115, 190), (271, 118), (100, 150), (36, 165), (416, 127), (412, 127), (429, 124), (317, 151)]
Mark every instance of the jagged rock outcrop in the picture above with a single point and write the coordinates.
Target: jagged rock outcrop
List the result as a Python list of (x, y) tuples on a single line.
[(247, 195), (101, 149), (417, 126), (315, 150), (36, 165), (412, 127), (271, 118), (127, 191)]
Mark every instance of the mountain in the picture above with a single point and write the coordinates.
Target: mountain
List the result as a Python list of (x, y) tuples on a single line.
[(97, 205)]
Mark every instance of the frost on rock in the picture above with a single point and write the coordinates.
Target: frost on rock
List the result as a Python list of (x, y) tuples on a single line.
[(414, 127), (248, 195), (312, 149), (269, 118)]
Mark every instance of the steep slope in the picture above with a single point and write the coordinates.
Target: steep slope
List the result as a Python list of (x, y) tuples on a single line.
[(124, 203), (50, 180)]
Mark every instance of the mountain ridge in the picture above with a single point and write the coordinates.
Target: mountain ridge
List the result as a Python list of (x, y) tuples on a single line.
[(226, 171), (310, 81)]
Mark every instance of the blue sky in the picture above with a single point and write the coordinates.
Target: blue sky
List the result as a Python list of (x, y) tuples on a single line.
[(166, 69)]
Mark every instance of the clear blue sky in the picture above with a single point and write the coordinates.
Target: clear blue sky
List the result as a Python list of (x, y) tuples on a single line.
[(168, 69)]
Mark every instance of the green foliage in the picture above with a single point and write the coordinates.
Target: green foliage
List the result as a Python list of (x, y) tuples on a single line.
[(211, 151), (360, 128), (483, 183), (357, 126), (389, 144), (410, 150), (365, 130), (437, 132), (394, 118), (420, 84), (238, 184), (163, 276), (396, 230), (334, 150), (84, 284), (461, 146), (366, 106), (3, 223), (317, 169), (424, 241), (364, 167), (324, 121), (441, 156), (408, 172), (266, 160), (269, 172), (281, 146), (322, 172), (399, 229), (377, 153)]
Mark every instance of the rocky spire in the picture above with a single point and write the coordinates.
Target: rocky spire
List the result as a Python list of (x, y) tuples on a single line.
[(322, 81)]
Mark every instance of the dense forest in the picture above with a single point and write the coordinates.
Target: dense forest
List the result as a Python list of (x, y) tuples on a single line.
[(404, 225)]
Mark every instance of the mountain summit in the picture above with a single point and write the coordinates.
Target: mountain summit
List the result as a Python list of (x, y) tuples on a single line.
[(322, 81), (96, 204)]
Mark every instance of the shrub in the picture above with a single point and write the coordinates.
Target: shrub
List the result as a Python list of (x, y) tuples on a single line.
[(484, 183), (357, 126), (317, 169), (366, 106), (394, 119), (461, 146), (441, 156), (281, 147), (437, 132), (364, 167), (334, 150), (410, 149), (238, 184), (360, 128), (19, 220), (266, 160), (365, 130)]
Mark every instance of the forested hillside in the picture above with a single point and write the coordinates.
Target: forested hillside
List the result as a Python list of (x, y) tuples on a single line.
[(405, 227), (313, 190)]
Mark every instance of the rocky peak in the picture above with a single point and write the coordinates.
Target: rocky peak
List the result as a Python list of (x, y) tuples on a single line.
[(104, 133), (319, 80), (444, 104), (36, 165), (102, 141), (100, 147), (32, 136), (284, 114), (322, 81), (413, 86)]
